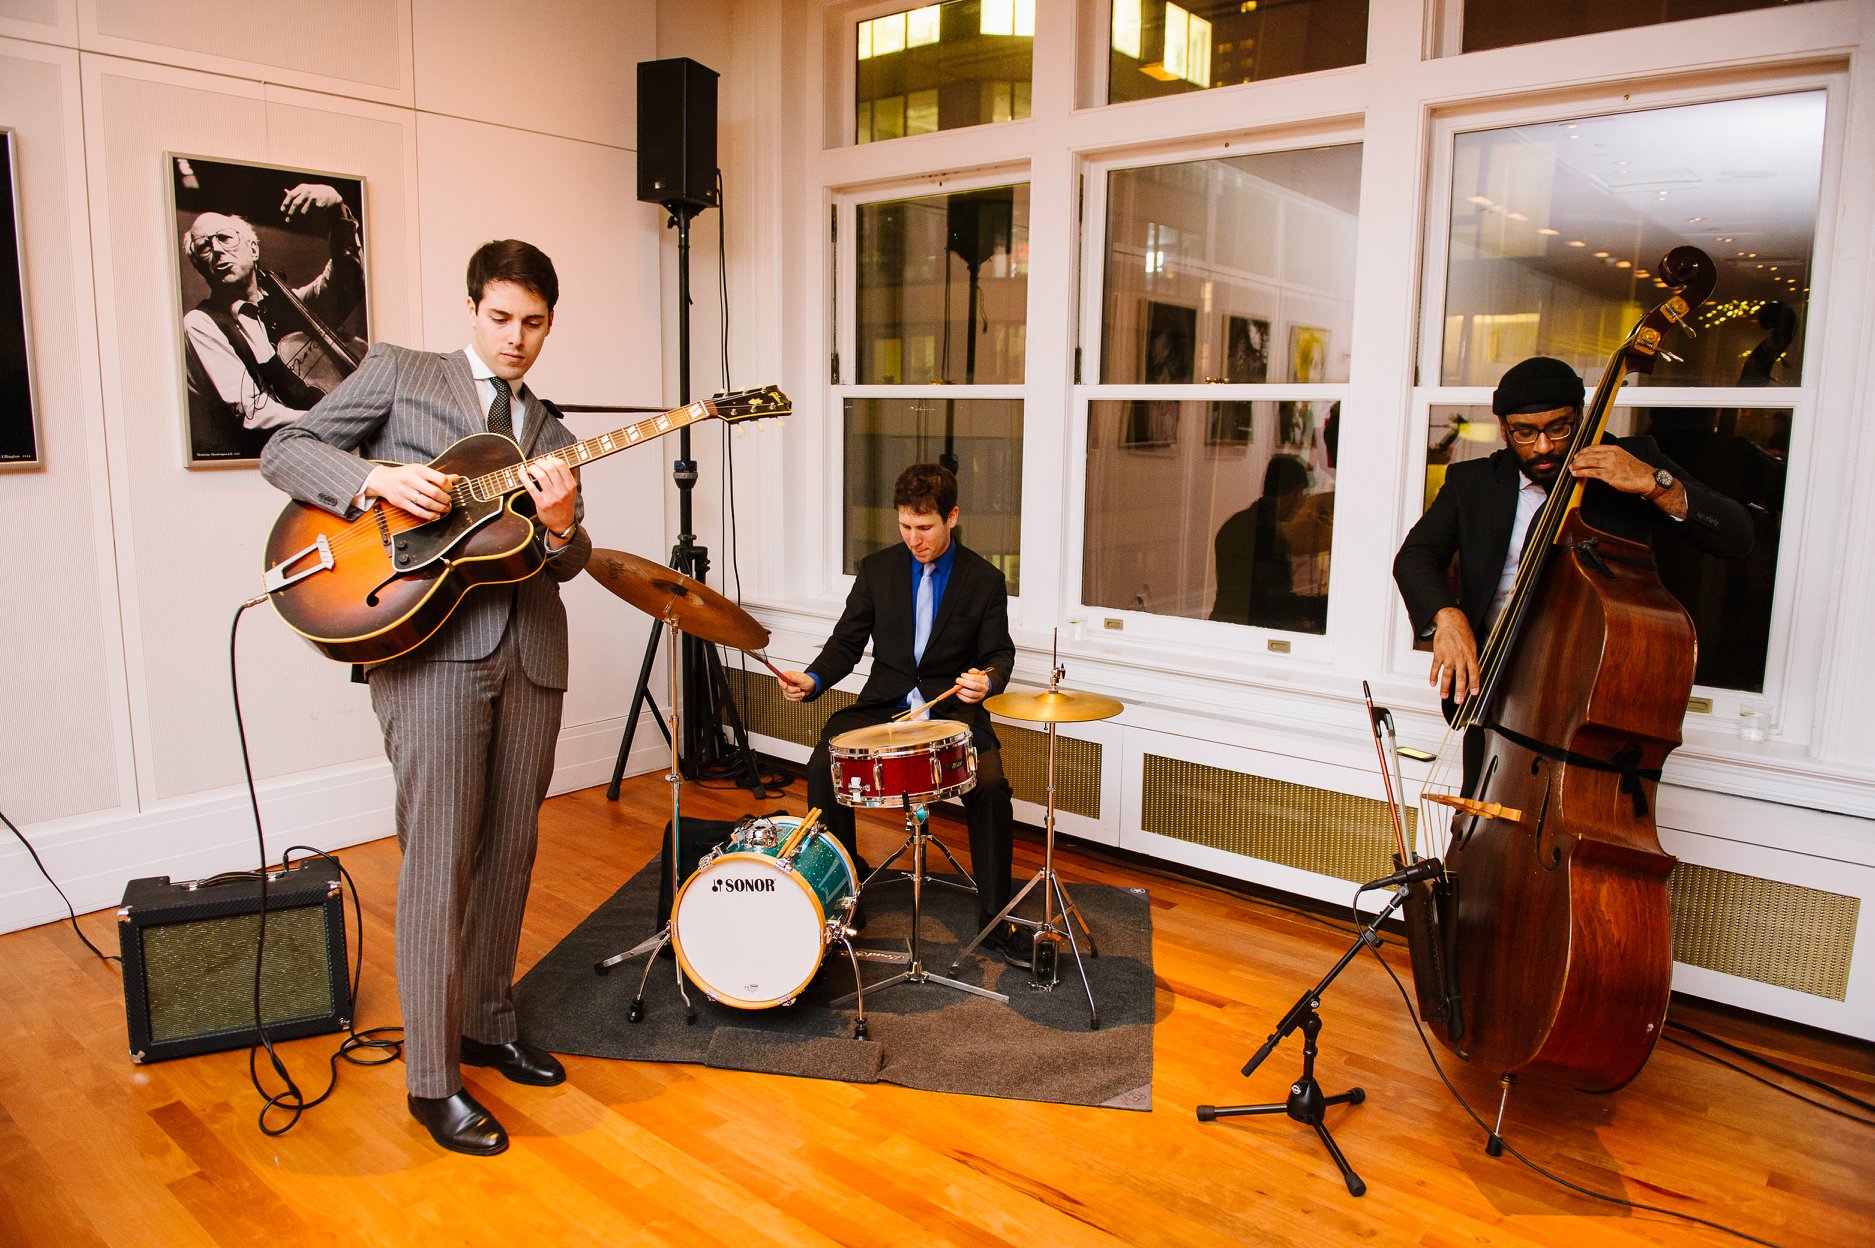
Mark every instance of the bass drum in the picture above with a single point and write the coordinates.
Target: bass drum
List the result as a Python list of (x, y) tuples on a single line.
[(752, 925)]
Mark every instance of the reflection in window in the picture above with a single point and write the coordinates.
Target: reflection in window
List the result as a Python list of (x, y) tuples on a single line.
[(1741, 452), (1556, 229), (942, 66), (1507, 23), (978, 439), (1237, 270), (1159, 47), (944, 287), (1211, 510)]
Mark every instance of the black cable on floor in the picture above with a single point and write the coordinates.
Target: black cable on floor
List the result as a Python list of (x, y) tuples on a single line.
[(71, 914), (1770, 1083)]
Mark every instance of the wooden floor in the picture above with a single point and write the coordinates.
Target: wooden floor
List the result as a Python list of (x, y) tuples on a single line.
[(96, 1150)]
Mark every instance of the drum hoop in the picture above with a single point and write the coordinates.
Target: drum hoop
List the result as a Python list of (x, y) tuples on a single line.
[(749, 1003), (937, 746)]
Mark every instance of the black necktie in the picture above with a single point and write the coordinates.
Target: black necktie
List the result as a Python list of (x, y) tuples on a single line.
[(499, 418)]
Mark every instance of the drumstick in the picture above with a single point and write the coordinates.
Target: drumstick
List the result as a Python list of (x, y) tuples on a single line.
[(806, 823), (922, 707), (763, 656)]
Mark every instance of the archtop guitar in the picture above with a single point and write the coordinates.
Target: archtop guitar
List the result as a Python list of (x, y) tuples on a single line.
[(381, 584)]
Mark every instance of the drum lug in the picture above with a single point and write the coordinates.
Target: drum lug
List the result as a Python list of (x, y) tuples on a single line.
[(785, 1001)]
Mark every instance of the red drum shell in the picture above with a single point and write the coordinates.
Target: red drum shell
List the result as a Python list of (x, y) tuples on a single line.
[(889, 764)]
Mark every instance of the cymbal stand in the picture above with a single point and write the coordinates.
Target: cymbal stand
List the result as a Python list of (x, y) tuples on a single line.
[(924, 818), (662, 937), (1044, 964), (1306, 1102), (914, 973)]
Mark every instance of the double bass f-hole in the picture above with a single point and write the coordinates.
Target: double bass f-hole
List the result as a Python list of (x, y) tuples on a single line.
[(1539, 766)]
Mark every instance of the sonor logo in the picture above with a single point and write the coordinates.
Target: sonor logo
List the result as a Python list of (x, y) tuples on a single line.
[(742, 886)]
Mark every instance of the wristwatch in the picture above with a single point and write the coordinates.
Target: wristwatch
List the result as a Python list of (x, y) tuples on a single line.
[(1663, 481)]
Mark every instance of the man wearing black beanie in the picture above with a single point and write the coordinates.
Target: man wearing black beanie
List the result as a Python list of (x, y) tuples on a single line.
[(1484, 510)]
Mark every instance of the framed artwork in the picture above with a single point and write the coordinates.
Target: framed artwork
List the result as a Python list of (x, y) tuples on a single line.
[(1169, 345), (1149, 424), (270, 287), (1295, 425), (1231, 424), (1246, 350), (1308, 353), (19, 427)]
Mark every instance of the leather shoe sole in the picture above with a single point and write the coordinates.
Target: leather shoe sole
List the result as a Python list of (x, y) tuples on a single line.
[(520, 1063), (460, 1123)]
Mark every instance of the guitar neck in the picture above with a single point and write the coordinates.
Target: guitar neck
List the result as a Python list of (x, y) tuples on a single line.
[(507, 480)]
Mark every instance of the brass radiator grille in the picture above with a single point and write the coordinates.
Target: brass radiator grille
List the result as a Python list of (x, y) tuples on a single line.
[(765, 711), (1766, 930), (1310, 829), (1077, 769)]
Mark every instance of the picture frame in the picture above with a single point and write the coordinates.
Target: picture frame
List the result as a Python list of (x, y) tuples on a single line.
[(1295, 425), (1246, 350), (271, 281), (1231, 424), (1168, 344), (1308, 353), (1149, 424), (19, 418)]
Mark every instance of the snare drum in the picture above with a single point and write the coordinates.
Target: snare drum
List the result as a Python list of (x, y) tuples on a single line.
[(920, 761), (751, 926)]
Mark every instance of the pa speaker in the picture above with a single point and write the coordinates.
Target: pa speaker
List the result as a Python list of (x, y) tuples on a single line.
[(189, 951), (677, 133)]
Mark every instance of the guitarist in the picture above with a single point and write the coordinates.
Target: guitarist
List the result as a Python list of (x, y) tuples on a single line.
[(471, 718)]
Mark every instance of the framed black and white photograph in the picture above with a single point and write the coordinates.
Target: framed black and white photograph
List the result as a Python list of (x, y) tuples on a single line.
[(1150, 424), (1169, 345), (1295, 425), (1232, 424), (19, 427), (270, 283), (1246, 350)]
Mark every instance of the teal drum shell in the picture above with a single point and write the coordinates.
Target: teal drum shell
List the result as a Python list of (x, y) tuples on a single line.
[(819, 862)]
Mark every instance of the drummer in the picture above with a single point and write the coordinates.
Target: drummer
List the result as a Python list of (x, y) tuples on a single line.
[(937, 614)]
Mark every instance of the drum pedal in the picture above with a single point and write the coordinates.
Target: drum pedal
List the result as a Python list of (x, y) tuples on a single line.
[(1044, 961)]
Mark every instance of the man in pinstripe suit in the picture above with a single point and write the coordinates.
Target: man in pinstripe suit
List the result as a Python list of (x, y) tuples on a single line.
[(470, 718)]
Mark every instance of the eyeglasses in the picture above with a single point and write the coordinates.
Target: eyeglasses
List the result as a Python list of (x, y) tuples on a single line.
[(224, 240), (1557, 431)]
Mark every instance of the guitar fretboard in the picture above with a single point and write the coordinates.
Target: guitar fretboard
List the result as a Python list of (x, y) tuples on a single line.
[(507, 480)]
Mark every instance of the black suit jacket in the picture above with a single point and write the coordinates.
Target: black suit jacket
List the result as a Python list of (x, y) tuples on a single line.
[(971, 629), (1473, 513)]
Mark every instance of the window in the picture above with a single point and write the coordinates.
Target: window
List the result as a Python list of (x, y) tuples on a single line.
[(940, 336), (1235, 275), (1506, 23), (1556, 228), (1163, 48), (942, 66)]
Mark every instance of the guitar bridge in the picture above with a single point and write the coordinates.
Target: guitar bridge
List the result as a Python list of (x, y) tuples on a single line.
[(281, 574)]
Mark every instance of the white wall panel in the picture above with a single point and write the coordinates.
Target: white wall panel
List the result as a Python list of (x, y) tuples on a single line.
[(38, 19), (565, 67), (189, 540), (356, 43), (63, 744), (575, 202)]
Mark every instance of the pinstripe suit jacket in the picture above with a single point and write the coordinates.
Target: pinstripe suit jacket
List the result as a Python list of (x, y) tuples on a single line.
[(407, 406)]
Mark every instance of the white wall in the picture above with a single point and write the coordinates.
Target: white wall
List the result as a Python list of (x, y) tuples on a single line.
[(468, 120)]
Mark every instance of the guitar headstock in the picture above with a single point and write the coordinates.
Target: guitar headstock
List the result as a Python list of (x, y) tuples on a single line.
[(754, 404), (1691, 275)]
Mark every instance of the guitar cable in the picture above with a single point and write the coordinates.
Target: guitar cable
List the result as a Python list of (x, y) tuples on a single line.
[(71, 914), (376, 1040)]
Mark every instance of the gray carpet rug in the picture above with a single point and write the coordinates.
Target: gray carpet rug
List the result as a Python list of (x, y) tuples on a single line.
[(1038, 1047)]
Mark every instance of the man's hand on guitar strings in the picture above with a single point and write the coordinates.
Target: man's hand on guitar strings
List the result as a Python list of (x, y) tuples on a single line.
[(555, 490), (416, 488)]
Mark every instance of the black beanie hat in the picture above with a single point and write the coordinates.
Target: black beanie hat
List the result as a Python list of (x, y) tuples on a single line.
[(1538, 384)]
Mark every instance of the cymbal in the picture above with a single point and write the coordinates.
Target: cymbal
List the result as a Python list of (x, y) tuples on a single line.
[(668, 596), (1059, 706)]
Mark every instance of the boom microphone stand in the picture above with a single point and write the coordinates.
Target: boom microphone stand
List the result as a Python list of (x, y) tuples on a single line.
[(705, 688)]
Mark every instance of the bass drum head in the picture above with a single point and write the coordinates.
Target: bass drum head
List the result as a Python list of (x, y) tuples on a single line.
[(750, 934)]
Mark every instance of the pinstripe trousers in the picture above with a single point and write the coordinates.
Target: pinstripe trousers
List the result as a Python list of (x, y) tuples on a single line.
[(471, 745)]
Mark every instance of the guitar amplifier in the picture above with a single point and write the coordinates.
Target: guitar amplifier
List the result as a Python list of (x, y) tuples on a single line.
[(189, 951)]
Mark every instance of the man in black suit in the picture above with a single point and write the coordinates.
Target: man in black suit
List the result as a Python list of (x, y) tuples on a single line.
[(966, 642), (1485, 507)]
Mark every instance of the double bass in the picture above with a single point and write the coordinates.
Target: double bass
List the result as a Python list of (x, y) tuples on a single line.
[(1550, 948)]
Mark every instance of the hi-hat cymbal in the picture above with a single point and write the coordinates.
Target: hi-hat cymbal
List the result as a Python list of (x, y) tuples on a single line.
[(1058, 706), (669, 596)]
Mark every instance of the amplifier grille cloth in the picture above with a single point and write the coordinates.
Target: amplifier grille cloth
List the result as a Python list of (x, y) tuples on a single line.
[(1765, 930), (200, 974)]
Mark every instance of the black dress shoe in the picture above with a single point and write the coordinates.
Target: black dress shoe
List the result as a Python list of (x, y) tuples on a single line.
[(522, 1063), (1012, 942), (460, 1124)]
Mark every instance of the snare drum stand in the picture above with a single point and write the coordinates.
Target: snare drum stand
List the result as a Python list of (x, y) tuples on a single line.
[(922, 877), (916, 836), (662, 937)]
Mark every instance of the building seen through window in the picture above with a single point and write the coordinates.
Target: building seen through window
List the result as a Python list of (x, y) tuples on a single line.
[(941, 67)]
